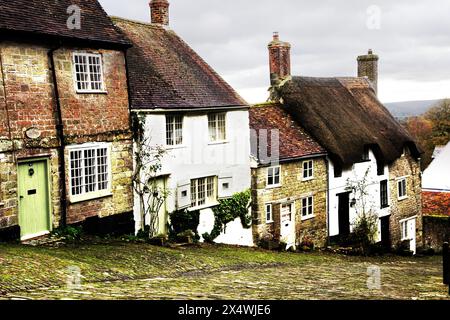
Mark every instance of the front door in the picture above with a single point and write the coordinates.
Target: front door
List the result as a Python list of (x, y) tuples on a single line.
[(385, 233), (344, 214), (163, 216), (287, 230), (409, 232), (34, 214)]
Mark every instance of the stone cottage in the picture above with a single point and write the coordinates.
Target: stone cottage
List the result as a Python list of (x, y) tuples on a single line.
[(197, 118), (289, 187), (65, 142), (372, 162)]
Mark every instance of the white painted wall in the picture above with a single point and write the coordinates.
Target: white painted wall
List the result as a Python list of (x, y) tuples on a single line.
[(198, 158), (339, 185)]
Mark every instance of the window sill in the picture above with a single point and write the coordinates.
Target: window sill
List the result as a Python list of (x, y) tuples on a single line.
[(308, 217), (215, 143), (273, 186), (270, 222), (384, 207), (88, 197), (205, 206), (307, 179), (181, 146), (2, 204), (403, 198), (91, 92)]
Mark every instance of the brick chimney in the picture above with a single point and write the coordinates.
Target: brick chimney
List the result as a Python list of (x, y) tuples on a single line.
[(368, 67), (279, 59), (159, 10)]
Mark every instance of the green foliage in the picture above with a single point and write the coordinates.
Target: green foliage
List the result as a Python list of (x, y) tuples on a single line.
[(70, 233), (228, 210), (364, 232), (184, 222), (430, 129)]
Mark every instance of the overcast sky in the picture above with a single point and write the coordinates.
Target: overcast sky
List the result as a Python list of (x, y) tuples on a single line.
[(412, 38)]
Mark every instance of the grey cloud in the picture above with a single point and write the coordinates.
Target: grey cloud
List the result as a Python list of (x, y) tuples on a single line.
[(326, 36)]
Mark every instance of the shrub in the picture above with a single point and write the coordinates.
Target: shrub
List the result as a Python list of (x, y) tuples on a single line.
[(183, 221), (70, 233)]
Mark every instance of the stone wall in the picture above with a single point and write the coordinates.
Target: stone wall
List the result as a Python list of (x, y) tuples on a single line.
[(292, 189), (405, 166), (436, 231), (29, 102)]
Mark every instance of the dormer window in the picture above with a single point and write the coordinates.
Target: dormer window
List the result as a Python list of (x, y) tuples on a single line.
[(88, 72), (365, 156)]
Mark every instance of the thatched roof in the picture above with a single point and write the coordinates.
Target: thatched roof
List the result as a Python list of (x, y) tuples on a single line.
[(164, 72), (345, 116)]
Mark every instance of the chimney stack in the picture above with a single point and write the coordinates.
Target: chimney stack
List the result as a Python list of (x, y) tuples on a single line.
[(159, 10), (279, 59), (368, 67)]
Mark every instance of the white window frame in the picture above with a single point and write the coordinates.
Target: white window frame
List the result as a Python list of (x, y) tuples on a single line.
[(88, 73), (216, 128), (400, 180), (309, 215), (269, 212), (273, 185), (84, 196), (310, 168), (175, 130), (210, 197)]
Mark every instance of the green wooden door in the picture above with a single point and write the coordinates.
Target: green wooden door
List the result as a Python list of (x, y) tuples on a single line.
[(34, 215)]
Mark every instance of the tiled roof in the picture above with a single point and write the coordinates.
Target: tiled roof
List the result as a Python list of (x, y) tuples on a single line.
[(49, 18), (166, 73), (345, 117), (293, 140), (436, 203)]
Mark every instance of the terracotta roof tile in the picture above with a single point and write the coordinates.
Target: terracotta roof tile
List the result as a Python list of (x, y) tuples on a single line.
[(166, 73), (294, 141), (436, 203)]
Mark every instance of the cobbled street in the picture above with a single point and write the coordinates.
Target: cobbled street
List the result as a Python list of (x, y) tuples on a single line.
[(120, 270)]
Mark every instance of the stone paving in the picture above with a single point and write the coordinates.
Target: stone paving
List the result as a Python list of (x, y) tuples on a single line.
[(210, 272)]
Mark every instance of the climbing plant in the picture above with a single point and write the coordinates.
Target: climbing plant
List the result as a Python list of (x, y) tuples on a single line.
[(228, 210), (147, 166)]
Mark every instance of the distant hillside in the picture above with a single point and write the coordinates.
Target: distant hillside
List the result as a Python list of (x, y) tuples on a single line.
[(405, 109)]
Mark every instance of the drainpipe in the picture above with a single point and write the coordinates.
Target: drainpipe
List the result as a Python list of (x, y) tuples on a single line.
[(8, 123), (328, 200), (62, 143)]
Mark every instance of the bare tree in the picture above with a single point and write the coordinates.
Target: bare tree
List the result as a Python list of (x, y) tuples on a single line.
[(365, 226), (147, 167)]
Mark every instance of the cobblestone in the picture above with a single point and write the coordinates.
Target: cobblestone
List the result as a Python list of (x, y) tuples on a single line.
[(140, 271)]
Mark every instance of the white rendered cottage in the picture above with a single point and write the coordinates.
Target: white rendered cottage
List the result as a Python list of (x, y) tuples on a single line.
[(196, 116)]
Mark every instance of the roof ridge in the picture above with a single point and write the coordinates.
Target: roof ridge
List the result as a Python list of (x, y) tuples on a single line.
[(145, 24)]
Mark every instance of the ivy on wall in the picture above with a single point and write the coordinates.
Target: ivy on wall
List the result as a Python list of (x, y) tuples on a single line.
[(228, 210)]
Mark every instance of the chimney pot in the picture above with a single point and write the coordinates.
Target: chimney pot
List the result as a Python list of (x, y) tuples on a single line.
[(279, 60), (159, 11), (276, 36)]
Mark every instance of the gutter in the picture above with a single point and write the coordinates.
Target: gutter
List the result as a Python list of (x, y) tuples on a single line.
[(62, 144), (198, 109)]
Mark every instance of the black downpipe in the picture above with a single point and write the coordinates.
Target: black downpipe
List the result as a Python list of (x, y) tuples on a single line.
[(62, 143), (328, 201)]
